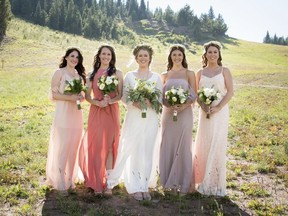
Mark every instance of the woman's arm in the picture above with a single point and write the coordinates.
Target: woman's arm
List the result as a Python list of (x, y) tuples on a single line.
[(55, 84), (164, 78)]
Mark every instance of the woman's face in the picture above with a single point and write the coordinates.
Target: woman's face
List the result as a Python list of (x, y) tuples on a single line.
[(143, 58), (212, 54), (177, 57), (72, 59), (105, 56)]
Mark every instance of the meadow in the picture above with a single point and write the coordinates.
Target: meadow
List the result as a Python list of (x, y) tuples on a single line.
[(257, 167)]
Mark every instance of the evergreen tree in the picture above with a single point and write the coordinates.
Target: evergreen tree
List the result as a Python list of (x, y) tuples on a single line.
[(39, 16), (211, 14), (142, 10), (196, 28), (54, 15), (219, 28), (5, 15), (206, 24), (275, 39), (267, 38), (73, 20), (185, 16), (169, 15), (158, 14), (110, 8)]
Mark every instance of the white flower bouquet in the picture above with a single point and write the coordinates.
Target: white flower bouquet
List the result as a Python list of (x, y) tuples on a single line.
[(107, 84), (176, 96), (207, 96), (145, 90), (75, 86)]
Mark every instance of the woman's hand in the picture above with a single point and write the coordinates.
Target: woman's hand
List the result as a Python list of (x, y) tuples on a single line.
[(137, 105), (179, 107), (205, 108), (75, 97), (214, 109), (147, 102), (103, 103), (107, 99)]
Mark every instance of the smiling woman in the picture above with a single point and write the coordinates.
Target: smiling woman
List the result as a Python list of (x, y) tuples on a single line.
[(138, 145), (98, 150), (209, 155), (67, 128)]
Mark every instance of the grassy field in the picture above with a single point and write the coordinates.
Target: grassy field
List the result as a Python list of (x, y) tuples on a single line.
[(258, 151)]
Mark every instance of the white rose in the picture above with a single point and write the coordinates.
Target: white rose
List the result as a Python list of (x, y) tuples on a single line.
[(206, 92), (182, 101), (173, 91), (174, 99), (116, 82), (208, 101), (212, 91), (108, 81), (102, 86), (180, 91)]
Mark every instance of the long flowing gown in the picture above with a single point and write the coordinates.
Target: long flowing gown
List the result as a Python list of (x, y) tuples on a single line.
[(176, 144), (103, 129), (209, 159), (65, 137), (138, 152)]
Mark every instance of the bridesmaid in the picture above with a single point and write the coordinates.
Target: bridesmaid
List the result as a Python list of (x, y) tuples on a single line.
[(176, 144), (99, 146), (209, 164), (67, 128), (137, 154)]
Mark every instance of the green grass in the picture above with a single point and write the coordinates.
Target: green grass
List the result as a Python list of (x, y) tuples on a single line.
[(257, 133)]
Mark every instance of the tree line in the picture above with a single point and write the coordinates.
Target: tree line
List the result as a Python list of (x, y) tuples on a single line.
[(108, 18), (275, 39), (5, 15)]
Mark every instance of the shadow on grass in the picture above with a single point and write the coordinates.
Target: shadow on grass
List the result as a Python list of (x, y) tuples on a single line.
[(82, 201)]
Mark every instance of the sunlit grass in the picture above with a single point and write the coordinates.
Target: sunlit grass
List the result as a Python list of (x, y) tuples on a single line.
[(258, 117)]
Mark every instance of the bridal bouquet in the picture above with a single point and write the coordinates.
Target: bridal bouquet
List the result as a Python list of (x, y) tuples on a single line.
[(176, 96), (107, 84), (145, 90), (207, 96), (75, 86)]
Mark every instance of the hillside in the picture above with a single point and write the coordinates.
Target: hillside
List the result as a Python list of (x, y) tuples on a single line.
[(257, 161)]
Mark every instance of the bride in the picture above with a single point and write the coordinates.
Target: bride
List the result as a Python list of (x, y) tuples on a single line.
[(135, 164)]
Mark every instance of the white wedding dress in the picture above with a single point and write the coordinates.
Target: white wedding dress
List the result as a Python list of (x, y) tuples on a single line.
[(138, 152)]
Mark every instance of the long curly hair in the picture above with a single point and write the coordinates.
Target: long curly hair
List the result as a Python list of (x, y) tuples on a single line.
[(97, 62), (206, 47), (79, 67), (143, 47), (182, 50)]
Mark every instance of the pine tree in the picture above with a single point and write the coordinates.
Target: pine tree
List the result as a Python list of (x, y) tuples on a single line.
[(211, 14), (169, 15), (185, 16), (219, 28), (267, 38), (5, 15), (142, 10)]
